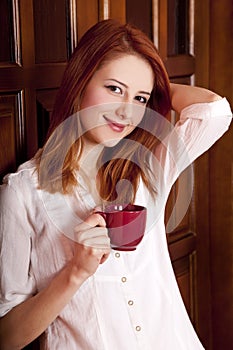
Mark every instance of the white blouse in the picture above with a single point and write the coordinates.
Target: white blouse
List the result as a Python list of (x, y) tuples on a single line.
[(132, 301)]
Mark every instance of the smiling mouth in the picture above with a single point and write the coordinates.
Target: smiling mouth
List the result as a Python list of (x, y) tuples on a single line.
[(115, 126)]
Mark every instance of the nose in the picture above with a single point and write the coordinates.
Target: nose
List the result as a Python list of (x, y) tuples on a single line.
[(124, 111)]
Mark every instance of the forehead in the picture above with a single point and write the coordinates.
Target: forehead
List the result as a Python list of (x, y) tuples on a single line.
[(129, 69)]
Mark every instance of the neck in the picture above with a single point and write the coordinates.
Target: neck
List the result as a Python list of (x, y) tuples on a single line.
[(89, 159), (88, 169)]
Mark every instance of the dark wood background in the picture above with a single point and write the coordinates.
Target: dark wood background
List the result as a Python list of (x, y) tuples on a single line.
[(195, 41)]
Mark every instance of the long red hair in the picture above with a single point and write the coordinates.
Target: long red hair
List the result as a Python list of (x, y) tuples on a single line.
[(106, 40)]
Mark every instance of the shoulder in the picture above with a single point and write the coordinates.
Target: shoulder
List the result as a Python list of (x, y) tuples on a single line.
[(26, 173), (20, 185)]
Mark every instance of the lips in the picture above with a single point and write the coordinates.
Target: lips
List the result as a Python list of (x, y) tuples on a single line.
[(117, 127)]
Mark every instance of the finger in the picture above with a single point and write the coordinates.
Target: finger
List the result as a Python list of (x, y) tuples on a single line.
[(100, 242), (93, 237), (91, 221), (90, 232), (96, 209), (97, 218), (99, 250)]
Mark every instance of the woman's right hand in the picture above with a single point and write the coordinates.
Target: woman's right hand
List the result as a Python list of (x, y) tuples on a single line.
[(92, 246)]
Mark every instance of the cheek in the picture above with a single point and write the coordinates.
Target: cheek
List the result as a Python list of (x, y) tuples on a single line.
[(88, 101), (92, 98), (138, 116)]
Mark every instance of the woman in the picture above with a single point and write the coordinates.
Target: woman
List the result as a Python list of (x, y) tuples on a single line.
[(108, 142)]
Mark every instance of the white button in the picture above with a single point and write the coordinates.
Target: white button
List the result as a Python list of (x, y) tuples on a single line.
[(130, 302), (138, 328), (123, 279), (117, 255)]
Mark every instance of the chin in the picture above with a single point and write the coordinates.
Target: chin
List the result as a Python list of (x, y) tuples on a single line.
[(111, 142)]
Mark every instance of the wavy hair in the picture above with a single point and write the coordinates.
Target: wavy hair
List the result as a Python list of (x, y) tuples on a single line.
[(105, 41)]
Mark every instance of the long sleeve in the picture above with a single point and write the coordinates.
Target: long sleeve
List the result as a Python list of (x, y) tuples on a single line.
[(199, 127), (17, 283)]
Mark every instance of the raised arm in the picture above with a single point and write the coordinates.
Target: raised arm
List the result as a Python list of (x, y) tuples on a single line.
[(204, 118), (185, 95)]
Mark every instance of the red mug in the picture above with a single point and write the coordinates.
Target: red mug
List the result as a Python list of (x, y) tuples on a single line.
[(126, 225)]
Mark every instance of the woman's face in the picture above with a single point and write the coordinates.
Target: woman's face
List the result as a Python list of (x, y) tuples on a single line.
[(115, 100)]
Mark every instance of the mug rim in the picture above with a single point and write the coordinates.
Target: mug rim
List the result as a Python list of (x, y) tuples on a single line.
[(135, 208)]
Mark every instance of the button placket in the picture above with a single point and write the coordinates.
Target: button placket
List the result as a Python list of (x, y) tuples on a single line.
[(130, 300), (134, 315)]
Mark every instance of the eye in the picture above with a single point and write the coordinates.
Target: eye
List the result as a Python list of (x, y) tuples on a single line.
[(141, 99), (114, 89)]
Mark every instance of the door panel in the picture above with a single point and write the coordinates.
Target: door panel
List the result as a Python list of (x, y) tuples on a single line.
[(11, 130), (51, 33)]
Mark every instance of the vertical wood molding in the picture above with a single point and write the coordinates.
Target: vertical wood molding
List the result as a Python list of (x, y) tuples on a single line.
[(27, 33), (73, 24), (191, 26), (104, 9), (16, 29), (20, 127), (163, 28), (155, 22), (112, 9)]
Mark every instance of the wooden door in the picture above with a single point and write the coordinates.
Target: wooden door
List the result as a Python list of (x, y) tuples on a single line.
[(214, 214), (37, 38)]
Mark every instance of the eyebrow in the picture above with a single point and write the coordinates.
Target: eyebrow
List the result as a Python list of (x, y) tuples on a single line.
[(123, 84)]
